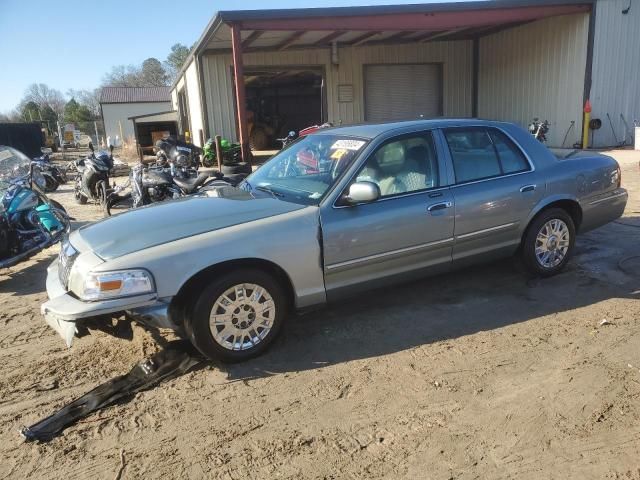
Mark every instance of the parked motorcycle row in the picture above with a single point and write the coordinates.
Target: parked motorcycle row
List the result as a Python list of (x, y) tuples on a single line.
[(174, 174)]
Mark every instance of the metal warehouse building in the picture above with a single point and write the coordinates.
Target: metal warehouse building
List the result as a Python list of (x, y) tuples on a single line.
[(254, 75), (134, 113)]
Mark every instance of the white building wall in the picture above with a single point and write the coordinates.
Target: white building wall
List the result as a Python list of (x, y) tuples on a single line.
[(615, 87), (113, 113), (193, 97), (456, 58), (536, 70)]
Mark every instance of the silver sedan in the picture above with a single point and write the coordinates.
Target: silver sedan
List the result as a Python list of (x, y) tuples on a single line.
[(333, 214)]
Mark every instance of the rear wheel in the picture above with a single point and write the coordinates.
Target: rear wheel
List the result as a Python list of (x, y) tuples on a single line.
[(548, 243), (79, 197), (237, 316)]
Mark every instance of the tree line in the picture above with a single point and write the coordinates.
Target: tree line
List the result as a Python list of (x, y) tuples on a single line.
[(82, 107)]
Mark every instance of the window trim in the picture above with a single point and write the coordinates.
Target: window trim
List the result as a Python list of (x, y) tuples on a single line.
[(417, 133), (531, 169)]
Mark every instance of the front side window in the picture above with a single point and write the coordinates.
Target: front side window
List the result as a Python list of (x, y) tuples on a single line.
[(479, 153), (405, 165), (307, 169)]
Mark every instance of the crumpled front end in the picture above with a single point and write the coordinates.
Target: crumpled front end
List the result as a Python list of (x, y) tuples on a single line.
[(64, 309)]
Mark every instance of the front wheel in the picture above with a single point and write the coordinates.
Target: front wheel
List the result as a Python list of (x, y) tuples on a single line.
[(51, 184), (548, 243), (237, 316)]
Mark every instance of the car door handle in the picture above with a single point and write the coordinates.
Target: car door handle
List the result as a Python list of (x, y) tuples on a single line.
[(439, 206), (527, 188)]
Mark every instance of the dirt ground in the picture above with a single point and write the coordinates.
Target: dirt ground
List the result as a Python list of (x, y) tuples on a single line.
[(482, 373)]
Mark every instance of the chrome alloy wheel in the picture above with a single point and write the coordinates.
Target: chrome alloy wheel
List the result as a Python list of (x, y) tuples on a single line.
[(552, 243), (242, 316)]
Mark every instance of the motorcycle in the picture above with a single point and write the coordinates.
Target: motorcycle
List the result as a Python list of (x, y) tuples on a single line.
[(292, 136), (180, 156), (29, 220), (539, 130), (92, 177), (231, 153), (53, 175), (156, 183)]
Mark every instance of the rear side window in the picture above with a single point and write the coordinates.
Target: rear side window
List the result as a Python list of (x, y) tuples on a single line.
[(480, 153), (510, 156)]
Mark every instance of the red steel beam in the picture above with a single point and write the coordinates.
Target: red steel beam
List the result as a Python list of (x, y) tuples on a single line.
[(363, 38), (238, 78), (252, 38), (290, 39), (329, 38), (433, 36), (435, 21), (397, 36)]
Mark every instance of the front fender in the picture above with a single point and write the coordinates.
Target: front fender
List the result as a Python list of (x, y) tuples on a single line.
[(289, 240)]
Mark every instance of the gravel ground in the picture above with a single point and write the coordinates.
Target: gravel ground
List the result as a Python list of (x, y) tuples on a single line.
[(481, 373)]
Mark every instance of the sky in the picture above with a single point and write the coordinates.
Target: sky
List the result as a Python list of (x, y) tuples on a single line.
[(71, 44)]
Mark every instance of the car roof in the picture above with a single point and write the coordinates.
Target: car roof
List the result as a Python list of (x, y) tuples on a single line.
[(372, 130)]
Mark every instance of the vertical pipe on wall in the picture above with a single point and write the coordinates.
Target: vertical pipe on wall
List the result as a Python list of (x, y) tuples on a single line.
[(587, 77), (238, 75), (476, 69)]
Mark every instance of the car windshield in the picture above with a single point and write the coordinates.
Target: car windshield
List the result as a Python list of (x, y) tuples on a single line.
[(307, 169), (13, 164)]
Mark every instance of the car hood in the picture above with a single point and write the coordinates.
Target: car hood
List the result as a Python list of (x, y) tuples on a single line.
[(165, 222)]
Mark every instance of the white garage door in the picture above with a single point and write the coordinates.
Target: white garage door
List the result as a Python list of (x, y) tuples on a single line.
[(402, 92)]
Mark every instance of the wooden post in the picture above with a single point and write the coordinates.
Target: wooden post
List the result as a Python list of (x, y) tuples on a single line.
[(219, 152), (238, 72)]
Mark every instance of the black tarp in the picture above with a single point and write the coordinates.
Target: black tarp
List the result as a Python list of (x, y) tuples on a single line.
[(26, 137)]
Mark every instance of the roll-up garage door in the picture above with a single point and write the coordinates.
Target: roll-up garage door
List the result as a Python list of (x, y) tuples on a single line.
[(402, 92)]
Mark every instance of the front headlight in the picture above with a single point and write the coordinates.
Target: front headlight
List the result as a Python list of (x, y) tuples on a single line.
[(123, 283)]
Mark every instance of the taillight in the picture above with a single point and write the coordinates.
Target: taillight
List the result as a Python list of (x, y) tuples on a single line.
[(616, 177)]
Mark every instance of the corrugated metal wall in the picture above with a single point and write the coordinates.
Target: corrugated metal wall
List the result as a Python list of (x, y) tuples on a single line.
[(456, 58), (616, 70), (536, 70), (193, 97), (118, 113)]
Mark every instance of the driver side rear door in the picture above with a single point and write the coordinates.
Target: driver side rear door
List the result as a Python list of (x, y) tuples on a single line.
[(409, 229)]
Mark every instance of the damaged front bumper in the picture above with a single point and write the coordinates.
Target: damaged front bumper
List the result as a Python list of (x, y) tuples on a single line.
[(63, 310)]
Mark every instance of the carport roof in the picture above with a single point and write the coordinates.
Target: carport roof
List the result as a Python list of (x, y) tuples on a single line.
[(274, 30)]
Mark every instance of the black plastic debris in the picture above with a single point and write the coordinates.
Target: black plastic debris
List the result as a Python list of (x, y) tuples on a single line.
[(176, 358)]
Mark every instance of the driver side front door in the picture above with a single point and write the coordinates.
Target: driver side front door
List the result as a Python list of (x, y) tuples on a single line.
[(408, 230)]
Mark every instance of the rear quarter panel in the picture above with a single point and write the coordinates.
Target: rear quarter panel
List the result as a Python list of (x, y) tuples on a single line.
[(590, 179)]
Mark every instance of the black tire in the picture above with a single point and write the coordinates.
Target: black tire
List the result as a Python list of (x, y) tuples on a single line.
[(235, 178), (209, 162), (197, 318), (236, 168), (80, 199), (58, 205), (528, 252), (51, 184), (258, 139)]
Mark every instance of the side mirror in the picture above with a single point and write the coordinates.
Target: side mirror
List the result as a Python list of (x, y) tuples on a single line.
[(362, 192)]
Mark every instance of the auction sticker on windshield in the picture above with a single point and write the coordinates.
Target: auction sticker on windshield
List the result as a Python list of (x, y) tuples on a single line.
[(348, 144)]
